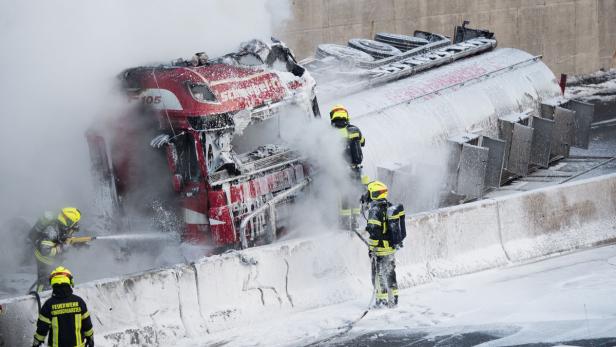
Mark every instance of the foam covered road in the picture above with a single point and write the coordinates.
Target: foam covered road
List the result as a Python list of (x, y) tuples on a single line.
[(568, 299)]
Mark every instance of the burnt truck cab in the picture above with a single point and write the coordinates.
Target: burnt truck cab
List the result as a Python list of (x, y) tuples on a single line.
[(194, 110)]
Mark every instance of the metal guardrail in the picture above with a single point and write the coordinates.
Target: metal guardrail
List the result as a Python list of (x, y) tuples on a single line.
[(271, 205)]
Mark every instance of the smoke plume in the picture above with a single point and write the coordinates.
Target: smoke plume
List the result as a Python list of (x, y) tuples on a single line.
[(59, 61)]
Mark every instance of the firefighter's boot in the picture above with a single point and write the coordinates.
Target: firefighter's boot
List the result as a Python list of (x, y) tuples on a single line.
[(380, 303), (393, 302)]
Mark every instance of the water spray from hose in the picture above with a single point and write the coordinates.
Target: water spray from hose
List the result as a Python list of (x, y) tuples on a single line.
[(137, 237)]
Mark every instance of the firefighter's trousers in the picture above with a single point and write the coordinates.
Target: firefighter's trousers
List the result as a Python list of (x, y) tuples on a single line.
[(349, 201), (384, 279), (42, 271)]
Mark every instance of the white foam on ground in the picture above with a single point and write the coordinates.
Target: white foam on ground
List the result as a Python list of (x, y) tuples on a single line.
[(237, 289)]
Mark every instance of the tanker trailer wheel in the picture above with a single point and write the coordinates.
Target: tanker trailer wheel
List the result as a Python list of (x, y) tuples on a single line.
[(402, 42), (315, 108), (342, 53), (376, 49)]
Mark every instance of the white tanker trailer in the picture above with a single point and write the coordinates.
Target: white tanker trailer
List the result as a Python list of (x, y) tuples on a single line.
[(450, 119)]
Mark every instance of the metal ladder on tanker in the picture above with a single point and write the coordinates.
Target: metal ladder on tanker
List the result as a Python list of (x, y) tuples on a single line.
[(410, 63)]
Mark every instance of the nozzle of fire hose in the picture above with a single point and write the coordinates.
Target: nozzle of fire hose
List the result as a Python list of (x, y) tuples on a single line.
[(79, 240)]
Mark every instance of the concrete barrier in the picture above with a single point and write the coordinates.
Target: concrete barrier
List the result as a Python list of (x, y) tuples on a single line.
[(297, 275), (451, 241), (17, 321), (562, 218), (237, 288)]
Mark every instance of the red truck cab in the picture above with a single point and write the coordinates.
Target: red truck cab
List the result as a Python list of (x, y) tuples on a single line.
[(194, 112)]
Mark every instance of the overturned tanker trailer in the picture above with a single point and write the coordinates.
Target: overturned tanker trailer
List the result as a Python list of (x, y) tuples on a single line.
[(448, 118), (442, 118)]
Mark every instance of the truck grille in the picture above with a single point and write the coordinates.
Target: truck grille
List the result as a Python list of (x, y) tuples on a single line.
[(249, 166)]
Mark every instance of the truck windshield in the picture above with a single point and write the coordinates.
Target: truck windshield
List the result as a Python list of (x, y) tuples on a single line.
[(187, 164)]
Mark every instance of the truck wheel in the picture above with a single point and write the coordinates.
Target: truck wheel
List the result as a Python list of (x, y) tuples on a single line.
[(315, 108), (379, 50), (342, 52)]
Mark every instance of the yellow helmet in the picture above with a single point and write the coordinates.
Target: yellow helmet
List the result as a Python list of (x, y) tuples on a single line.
[(69, 217), (339, 112), (378, 190), (61, 275)]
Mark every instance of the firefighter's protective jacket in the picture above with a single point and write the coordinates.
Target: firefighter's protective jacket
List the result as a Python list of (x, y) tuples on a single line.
[(377, 228), (65, 317), (48, 245), (39, 227), (354, 141)]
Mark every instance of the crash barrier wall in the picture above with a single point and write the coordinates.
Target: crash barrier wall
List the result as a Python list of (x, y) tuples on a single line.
[(213, 294), (494, 232), (237, 288)]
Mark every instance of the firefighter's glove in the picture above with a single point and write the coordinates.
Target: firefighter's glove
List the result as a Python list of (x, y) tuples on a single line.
[(90, 341), (365, 198), (68, 242), (36, 343), (398, 246), (60, 246)]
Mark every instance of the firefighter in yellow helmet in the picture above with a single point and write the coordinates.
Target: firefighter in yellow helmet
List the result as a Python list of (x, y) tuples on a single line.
[(50, 238), (354, 141), (64, 316), (382, 247)]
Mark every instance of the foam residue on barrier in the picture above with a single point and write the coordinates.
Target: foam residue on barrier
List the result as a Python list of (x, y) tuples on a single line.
[(237, 288)]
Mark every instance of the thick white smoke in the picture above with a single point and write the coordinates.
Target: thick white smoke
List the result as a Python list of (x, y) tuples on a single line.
[(58, 66), (322, 147)]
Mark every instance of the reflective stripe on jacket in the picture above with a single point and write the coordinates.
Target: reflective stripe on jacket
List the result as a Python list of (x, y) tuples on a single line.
[(46, 251), (66, 319), (377, 228)]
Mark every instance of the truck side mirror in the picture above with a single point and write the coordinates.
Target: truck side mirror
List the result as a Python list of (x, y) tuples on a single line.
[(178, 182)]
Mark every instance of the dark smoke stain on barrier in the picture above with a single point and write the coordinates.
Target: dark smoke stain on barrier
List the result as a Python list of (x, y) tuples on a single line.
[(144, 336), (536, 205)]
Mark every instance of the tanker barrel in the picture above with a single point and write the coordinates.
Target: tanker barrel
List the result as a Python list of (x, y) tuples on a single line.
[(409, 122)]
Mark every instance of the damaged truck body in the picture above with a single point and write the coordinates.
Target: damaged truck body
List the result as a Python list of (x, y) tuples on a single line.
[(500, 111), (190, 113)]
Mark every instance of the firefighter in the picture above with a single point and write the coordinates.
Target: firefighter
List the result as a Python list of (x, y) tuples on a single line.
[(50, 237), (382, 251), (64, 315), (354, 141)]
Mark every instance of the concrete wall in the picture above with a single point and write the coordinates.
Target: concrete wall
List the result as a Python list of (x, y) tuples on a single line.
[(574, 36), (234, 289)]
